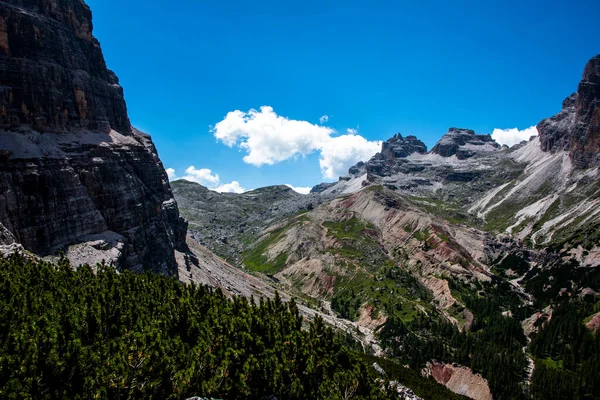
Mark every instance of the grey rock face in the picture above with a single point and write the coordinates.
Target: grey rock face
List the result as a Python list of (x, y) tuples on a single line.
[(8, 244), (553, 131), (576, 128), (71, 166), (463, 143), (53, 73), (390, 159), (6, 237), (321, 187)]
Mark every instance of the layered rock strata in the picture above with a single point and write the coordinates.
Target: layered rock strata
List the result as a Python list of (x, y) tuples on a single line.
[(72, 169)]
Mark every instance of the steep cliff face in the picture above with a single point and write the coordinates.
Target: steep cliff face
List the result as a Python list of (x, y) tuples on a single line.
[(576, 128), (72, 170), (54, 77)]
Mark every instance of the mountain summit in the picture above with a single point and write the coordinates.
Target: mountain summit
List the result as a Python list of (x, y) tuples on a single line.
[(463, 143)]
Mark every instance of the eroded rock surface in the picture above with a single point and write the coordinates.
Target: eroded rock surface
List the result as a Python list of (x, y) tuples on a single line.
[(72, 169), (576, 128), (390, 159), (463, 143), (460, 380), (54, 77)]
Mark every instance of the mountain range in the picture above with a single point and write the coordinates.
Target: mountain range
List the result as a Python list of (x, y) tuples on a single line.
[(453, 261), (467, 217)]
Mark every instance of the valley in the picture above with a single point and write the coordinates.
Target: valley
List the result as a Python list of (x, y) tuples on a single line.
[(468, 270), (458, 246)]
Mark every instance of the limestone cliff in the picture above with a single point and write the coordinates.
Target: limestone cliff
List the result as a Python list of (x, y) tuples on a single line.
[(576, 128), (72, 169)]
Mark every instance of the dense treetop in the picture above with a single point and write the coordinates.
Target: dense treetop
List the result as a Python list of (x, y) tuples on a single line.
[(97, 333)]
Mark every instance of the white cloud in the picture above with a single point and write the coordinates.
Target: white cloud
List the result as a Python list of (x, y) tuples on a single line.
[(268, 138), (233, 187), (203, 176), (513, 136), (351, 131), (171, 174), (342, 152), (324, 119), (206, 177), (301, 190)]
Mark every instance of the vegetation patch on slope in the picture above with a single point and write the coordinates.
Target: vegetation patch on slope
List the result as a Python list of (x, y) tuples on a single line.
[(255, 258), (567, 355), (493, 346), (392, 291)]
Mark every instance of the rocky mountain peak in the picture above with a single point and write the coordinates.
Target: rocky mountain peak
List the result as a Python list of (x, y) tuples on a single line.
[(576, 128), (54, 76), (463, 143), (400, 147), (393, 151)]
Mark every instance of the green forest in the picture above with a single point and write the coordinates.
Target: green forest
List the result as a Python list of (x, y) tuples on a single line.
[(567, 355), (492, 348), (96, 333)]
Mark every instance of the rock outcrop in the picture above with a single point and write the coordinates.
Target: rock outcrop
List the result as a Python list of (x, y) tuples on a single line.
[(400, 147), (53, 73), (391, 158), (72, 169), (460, 380), (321, 187), (576, 128), (392, 153), (463, 143)]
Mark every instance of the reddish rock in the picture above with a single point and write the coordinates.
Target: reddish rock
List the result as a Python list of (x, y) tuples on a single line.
[(594, 324), (460, 380)]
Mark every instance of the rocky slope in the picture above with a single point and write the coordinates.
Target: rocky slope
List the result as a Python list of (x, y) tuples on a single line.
[(412, 234), (74, 175), (460, 380), (544, 191), (226, 222)]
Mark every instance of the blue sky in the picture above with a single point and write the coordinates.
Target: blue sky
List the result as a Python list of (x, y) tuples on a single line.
[(372, 66)]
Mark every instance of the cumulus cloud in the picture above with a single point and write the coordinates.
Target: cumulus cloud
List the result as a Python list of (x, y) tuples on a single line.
[(342, 152), (233, 187), (203, 176), (171, 174), (268, 138), (351, 131), (301, 190), (324, 119), (206, 177), (513, 136)]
